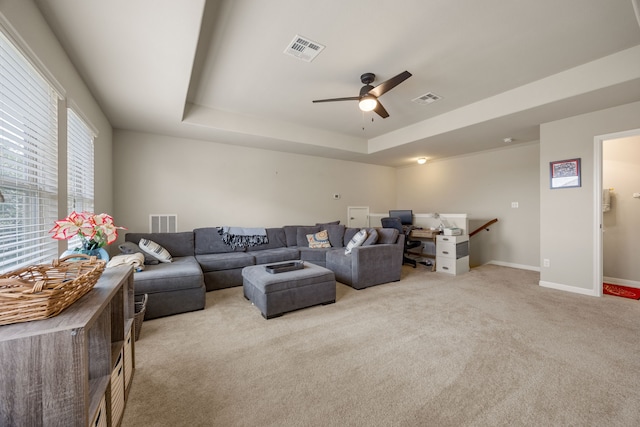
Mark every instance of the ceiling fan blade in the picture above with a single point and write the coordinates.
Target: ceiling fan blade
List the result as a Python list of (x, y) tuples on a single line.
[(350, 98), (381, 111), (386, 86)]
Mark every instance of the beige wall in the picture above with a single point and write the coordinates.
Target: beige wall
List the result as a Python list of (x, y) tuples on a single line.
[(483, 186), (24, 23), (621, 237), (208, 184), (568, 216)]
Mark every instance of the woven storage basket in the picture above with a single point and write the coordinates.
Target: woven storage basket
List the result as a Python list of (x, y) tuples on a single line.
[(43, 291), (140, 309)]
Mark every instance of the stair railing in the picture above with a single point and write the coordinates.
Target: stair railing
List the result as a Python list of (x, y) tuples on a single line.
[(483, 227)]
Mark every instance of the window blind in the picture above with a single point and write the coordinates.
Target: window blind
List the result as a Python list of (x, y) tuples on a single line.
[(80, 141), (28, 161)]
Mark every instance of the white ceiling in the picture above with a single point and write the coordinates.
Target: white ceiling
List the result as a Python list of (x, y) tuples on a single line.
[(215, 70)]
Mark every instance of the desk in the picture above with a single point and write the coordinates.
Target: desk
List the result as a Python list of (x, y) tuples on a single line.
[(428, 236), (420, 233)]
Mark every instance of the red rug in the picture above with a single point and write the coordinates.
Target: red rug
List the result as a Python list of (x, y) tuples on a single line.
[(621, 291)]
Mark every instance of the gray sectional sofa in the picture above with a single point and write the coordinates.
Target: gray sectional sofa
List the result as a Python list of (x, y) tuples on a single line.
[(203, 262)]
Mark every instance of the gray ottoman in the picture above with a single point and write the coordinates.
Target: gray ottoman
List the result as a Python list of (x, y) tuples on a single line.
[(276, 294)]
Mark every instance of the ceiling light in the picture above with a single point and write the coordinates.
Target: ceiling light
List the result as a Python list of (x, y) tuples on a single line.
[(368, 103), (422, 160)]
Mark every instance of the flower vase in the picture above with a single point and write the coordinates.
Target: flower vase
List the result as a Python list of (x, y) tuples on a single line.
[(100, 253)]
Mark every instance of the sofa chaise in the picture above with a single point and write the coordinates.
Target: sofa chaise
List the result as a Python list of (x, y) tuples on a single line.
[(203, 262)]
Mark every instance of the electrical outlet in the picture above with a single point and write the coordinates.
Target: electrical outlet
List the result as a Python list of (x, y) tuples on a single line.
[(546, 263), (514, 204)]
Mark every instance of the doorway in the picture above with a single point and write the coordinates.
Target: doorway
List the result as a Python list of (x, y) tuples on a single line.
[(358, 216), (598, 263)]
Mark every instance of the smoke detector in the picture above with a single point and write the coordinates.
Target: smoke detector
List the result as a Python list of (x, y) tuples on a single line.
[(303, 48)]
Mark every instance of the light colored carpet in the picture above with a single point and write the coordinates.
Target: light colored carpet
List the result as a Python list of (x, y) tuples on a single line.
[(486, 348)]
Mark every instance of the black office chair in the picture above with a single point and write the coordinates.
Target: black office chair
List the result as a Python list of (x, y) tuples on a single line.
[(393, 222)]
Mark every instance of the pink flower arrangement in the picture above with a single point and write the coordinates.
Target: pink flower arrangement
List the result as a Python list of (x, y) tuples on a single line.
[(95, 231)]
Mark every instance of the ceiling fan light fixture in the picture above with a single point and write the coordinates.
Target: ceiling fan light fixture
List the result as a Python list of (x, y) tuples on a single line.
[(367, 103)]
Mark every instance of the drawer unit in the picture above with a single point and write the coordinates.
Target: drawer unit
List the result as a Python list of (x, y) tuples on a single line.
[(452, 250), (117, 390), (100, 419), (452, 254), (452, 266), (128, 360)]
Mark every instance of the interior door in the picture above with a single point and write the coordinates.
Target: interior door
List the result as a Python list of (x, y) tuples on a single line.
[(358, 216), (598, 264), (620, 236)]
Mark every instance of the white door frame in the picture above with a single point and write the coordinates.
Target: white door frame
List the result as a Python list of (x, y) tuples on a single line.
[(597, 197), (356, 207)]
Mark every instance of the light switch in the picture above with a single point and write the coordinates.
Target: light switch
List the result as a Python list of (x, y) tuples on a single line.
[(514, 204)]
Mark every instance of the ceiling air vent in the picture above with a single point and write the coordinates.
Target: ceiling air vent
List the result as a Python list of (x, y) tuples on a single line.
[(303, 49), (427, 98)]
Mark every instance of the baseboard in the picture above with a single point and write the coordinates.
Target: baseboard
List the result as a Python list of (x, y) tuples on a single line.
[(566, 288), (623, 282), (512, 265)]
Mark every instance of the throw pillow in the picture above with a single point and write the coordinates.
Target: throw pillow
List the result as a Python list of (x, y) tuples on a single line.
[(349, 232), (129, 248), (356, 241), (319, 240), (336, 235), (328, 223), (387, 235), (301, 235), (155, 250), (372, 238)]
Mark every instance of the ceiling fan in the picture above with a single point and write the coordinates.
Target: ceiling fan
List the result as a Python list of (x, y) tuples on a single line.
[(368, 98)]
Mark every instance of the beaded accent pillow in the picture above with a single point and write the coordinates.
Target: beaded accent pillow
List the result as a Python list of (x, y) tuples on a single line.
[(319, 240)]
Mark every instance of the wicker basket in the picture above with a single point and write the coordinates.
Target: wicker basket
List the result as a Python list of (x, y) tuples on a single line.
[(43, 291), (140, 309)]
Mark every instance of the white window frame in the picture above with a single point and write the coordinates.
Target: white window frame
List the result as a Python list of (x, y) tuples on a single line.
[(80, 167), (28, 159)]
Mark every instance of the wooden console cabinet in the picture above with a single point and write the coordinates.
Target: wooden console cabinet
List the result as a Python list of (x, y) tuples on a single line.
[(73, 369)]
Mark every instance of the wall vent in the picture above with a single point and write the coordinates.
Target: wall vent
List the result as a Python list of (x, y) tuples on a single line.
[(163, 223), (427, 98), (303, 48)]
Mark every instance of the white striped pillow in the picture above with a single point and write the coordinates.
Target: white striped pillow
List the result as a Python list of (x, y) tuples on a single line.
[(356, 241), (155, 250)]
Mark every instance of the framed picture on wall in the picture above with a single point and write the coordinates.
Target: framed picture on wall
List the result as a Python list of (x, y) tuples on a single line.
[(565, 173)]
